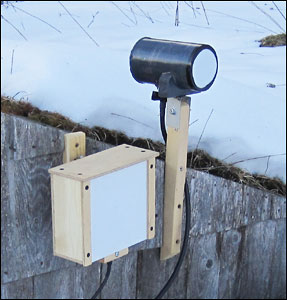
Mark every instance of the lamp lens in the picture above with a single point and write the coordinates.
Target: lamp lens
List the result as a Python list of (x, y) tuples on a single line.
[(204, 68)]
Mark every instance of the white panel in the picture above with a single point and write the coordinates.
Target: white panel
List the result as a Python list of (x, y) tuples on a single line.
[(118, 210)]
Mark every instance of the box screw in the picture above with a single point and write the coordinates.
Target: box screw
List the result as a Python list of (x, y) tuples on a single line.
[(172, 111)]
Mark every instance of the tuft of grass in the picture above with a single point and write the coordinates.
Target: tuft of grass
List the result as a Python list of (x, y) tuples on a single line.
[(273, 40), (197, 159)]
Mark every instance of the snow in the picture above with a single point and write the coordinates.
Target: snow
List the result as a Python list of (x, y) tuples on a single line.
[(61, 68)]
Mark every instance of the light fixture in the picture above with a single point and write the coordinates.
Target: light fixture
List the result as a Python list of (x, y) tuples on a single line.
[(176, 68)]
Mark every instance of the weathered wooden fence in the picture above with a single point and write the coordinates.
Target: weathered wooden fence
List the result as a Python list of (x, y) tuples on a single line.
[(237, 247)]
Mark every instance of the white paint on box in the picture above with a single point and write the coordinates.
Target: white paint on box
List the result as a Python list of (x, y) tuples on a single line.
[(118, 210)]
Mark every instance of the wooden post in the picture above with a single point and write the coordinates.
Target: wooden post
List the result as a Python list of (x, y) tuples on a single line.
[(175, 171), (75, 146)]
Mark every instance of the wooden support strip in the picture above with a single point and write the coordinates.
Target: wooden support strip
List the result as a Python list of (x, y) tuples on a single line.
[(115, 256), (151, 198), (175, 171), (86, 220), (75, 146), (67, 218)]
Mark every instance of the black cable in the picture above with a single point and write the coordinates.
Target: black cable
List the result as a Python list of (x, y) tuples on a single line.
[(109, 267), (162, 119), (187, 213)]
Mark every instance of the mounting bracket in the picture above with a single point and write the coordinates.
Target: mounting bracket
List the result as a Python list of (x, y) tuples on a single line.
[(178, 110)]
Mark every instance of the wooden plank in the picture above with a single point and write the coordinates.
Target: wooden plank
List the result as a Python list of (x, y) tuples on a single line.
[(103, 162), (278, 207), (31, 139), (122, 281), (94, 146), (6, 196), (86, 223), (175, 171), (90, 279), (68, 218), (201, 203), (151, 198), (228, 246), (61, 284), (217, 204), (21, 289), (203, 278), (27, 247), (256, 206), (75, 146), (69, 283), (6, 145), (228, 205), (159, 185), (159, 194), (178, 290), (154, 273), (114, 256), (255, 260), (277, 284), (151, 275), (225, 198)]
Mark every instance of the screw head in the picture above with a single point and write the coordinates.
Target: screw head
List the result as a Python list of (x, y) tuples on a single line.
[(172, 111)]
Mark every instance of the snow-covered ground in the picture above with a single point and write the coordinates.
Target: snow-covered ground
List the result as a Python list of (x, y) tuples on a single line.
[(84, 73)]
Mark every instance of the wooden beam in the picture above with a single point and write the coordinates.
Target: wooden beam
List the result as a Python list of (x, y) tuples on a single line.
[(114, 256), (175, 171), (75, 146), (151, 198)]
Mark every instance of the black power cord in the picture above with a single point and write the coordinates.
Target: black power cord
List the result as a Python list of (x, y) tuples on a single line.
[(109, 267), (187, 212)]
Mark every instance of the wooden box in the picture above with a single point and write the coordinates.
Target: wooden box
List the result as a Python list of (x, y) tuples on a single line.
[(103, 203)]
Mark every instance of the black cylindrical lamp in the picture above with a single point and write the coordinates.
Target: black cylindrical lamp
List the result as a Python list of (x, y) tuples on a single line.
[(176, 68)]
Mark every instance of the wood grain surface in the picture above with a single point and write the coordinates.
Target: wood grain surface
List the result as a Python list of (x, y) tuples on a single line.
[(237, 247)]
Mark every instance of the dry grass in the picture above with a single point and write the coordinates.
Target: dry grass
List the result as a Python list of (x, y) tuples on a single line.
[(198, 160), (202, 161), (113, 137), (273, 40)]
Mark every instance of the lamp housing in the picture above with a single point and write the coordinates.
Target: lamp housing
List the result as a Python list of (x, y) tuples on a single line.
[(176, 68)]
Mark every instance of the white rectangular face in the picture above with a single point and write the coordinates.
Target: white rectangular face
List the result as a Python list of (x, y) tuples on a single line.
[(118, 210)]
